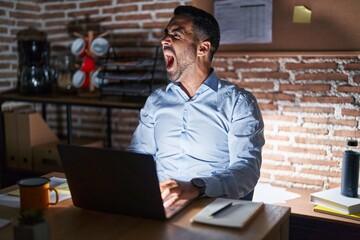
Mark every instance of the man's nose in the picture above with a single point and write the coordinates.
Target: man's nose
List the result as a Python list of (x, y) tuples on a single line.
[(166, 40)]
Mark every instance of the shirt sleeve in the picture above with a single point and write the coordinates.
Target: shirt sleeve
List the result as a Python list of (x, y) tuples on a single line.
[(143, 140), (246, 138)]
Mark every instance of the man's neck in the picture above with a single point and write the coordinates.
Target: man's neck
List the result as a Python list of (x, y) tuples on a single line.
[(191, 81)]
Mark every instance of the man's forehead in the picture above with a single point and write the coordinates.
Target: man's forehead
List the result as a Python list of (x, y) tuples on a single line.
[(181, 22)]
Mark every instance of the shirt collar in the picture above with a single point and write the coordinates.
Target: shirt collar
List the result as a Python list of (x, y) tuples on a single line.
[(211, 81)]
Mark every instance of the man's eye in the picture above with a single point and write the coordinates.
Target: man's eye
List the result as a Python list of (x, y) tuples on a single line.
[(176, 35)]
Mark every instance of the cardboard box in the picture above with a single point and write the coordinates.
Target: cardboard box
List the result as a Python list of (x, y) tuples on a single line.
[(23, 131), (32, 131), (11, 145), (46, 156)]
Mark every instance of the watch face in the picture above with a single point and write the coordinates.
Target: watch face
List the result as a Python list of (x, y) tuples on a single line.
[(198, 182)]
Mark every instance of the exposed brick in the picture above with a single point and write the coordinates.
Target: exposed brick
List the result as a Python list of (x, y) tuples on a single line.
[(156, 6), (334, 184), (26, 23), (57, 7), (322, 76), (280, 118), (28, 7), (348, 89), (255, 85), (131, 1), (347, 133), (4, 48), (352, 66), (300, 180), (3, 30), (8, 75), (7, 4), (331, 121), (131, 17), (301, 150), (277, 137), (352, 57), (356, 78), (265, 75), (129, 35), (227, 74), (167, 15), (7, 21), (273, 97), (277, 167), (292, 129), (268, 146), (122, 9), (264, 175), (306, 66), (52, 15), (313, 162), (321, 173), (350, 112), (250, 65), (122, 26), (89, 4), (275, 157), (308, 87), (266, 106), (340, 100), (5, 84), (5, 66), (318, 141), (219, 64), (161, 25), (23, 15), (309, 109), (83, 13)]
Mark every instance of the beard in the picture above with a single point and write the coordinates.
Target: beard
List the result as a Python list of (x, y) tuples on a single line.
[(181, 61)]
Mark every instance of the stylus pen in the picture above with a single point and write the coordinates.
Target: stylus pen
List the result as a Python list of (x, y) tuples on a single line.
[(221, 209)]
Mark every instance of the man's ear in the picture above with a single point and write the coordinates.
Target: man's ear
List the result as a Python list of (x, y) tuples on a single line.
[(204, 48)]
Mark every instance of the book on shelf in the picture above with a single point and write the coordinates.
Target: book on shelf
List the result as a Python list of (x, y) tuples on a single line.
[(333, 199), (322, 209), (228, 213)]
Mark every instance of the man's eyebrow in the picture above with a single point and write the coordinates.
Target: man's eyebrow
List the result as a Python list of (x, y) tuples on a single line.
[(177, 29)]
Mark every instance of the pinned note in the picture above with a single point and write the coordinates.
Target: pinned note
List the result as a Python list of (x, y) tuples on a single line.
[(301, 14)]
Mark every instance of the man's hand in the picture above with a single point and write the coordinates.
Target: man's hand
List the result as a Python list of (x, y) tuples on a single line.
[(173, 190)]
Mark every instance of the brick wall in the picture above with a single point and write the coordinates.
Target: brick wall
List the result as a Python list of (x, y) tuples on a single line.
[(310, 102)]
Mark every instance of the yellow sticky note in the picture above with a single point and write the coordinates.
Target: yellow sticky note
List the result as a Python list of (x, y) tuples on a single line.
[(301, 15)]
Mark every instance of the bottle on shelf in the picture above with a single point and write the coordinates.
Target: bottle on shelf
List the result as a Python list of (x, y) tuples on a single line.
[(350, 170)]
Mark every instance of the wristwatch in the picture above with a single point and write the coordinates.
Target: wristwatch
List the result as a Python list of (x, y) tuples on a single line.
[(200, 184)]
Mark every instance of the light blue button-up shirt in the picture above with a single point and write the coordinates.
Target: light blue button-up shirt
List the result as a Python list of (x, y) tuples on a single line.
[(216, 135)]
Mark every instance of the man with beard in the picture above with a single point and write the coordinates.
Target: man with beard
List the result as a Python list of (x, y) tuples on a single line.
[(205, 134)]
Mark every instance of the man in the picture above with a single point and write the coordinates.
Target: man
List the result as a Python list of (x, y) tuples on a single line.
[(205, 134)]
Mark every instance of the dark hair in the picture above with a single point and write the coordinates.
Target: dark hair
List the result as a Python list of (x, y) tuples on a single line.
[(205, 25)]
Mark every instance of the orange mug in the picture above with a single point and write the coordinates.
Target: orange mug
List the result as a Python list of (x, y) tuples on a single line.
[(35, 193)]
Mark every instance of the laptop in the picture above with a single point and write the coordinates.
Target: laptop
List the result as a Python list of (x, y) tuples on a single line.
[(115, 181)]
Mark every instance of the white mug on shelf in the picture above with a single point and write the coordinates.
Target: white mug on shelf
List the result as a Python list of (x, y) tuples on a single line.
[(99, 46), (78, 47), (97, 81), (80, 79)]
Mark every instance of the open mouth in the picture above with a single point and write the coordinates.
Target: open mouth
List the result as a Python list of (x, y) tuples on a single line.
[(169, 56), (169, 61)]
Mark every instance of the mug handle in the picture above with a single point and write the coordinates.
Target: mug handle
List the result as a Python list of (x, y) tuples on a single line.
[(56, 194)]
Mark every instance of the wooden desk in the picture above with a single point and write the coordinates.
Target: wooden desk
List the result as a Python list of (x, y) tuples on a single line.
[(307, 224), (69, 222)]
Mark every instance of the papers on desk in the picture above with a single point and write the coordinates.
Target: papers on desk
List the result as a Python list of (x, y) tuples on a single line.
[(228, 213), (12, 199)]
